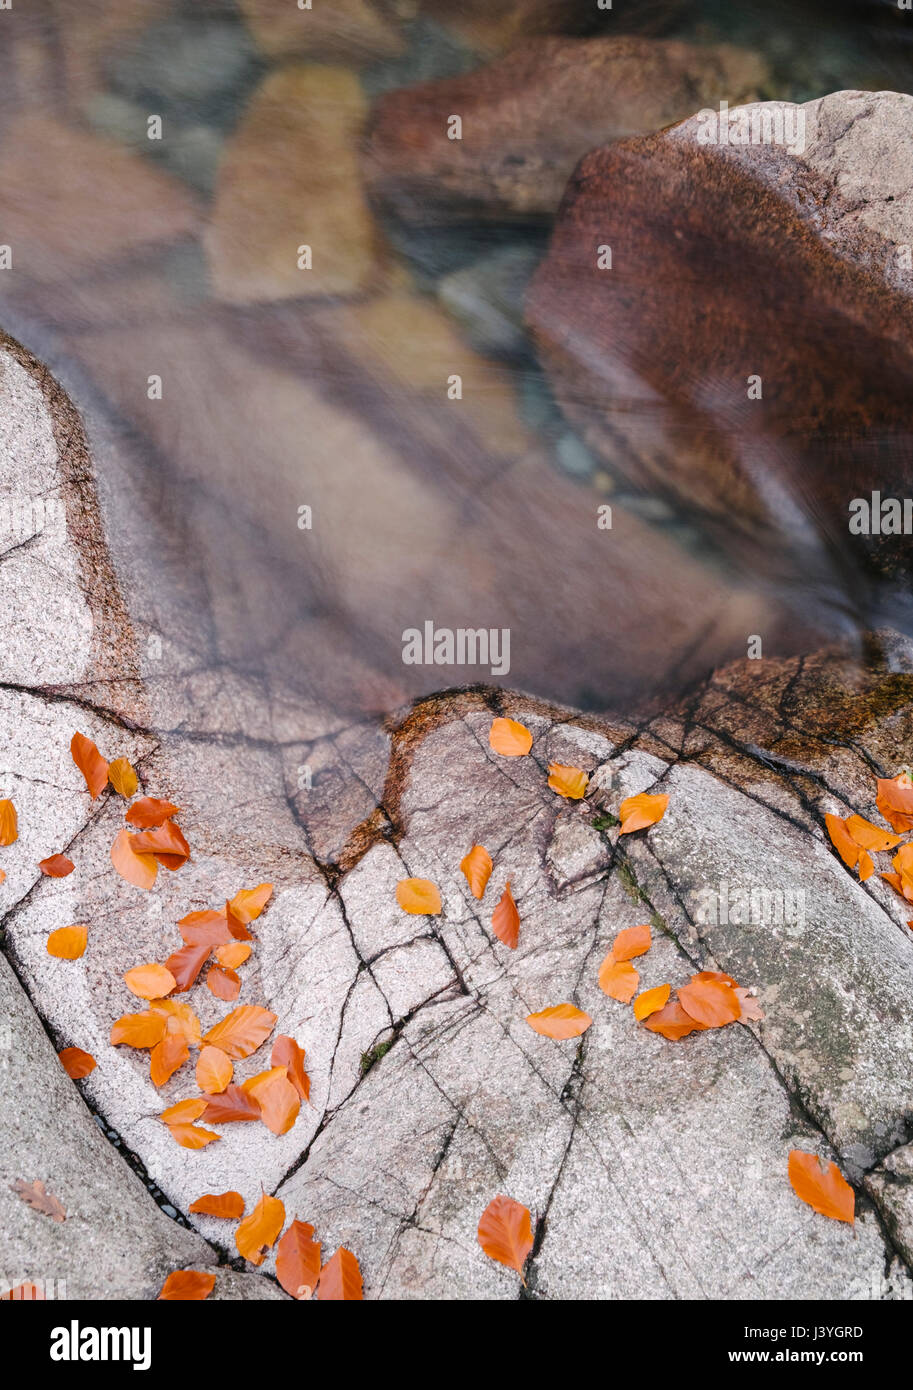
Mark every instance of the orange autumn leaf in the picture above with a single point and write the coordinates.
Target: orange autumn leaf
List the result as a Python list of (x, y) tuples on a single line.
[(56, 866), (842, 840), (242, 1031), (569, 782), (138, 869), (234, 1105), (248, 903), (505, 920), (224, 984), (236, 928), (186, 964), (192, 1136), (277, 1098), (214, 1070), (895, 801), (167, 1057), (151, 981), (477, 867), (672, 1022), (68, 943), (148, 812), (90, 763), (76, 1063), (866, 867), (509, 738), (258, 1231), (505, 1233), (298, 1260), (638, 812), (618, 979), (286, 1053), (869, 836), (166, 843), (419, 896), (631, 942), (188, 1285), (122, 778), (651, 1001), (185, 1112), (9, 823), (340, 1279), (711, 1003), (903, 885), (226, 1204), (233, 954), (560, 1021), (827, 1190), (138, 1030), (2, 875), (179, 1018)]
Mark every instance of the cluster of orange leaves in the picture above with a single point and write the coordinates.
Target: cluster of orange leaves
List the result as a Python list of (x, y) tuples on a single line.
[(856, 839), (298, 1255)]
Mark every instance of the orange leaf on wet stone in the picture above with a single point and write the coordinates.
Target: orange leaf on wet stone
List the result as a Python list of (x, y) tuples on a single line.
[(894, 800), (509, 738), (712, 1003), (277, 1098), (234, 1105), (248, 903), (151, 981), (560, 1021), (224, 984), (229, 1205), (298, 1260), (123, 778), (179, 1018), (148, 812), (505, 920), (76, 1063), (641, 811), (505, 1233), (258, 1231), (138, 869), (569, 782), (419, 896), (233, 954), (192, 1136), (184, 1112), (340, 1279), (618, 979), (824, 1189), (286, 1053), (188, 1285), (650, 1001), (56, 866), (242, 1031), (138, 1030), (166, 843), (214, 1070), (672, 1022), (167, 1057), (91, 764), (631, 942), (68, 943), (477, 866)]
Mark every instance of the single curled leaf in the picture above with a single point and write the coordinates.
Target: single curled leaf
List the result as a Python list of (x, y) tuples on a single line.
[(477, 867)]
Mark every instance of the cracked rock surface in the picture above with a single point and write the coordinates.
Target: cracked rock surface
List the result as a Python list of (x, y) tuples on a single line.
[(652, 1169)]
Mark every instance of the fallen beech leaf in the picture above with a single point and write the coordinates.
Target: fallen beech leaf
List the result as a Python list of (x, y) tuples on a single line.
[(895, 801), (902, 885), (869, 836), (179, 1018), (651, 1001), (710, 1002), (569, 782), (2, 875), (236, 928), (214, 1070), (618, 979), (148, 812), (233, 954), (477, 867), (509, 738), (90, 763), (185, 1112), (827, 1191), (751, 1009), (340, 1279), (560, 1021), (505, 1233), (9, 823), (68, 943), (231, 1106), (286, 1053), (208, 928), (419, 896), (36, 1196), (138, 1030), (167, 844), (633, 941), (257, 1232), (638, 812), (866, 867), (250, 902), (138, 869), (122, 778), (149, 981), (186, 964), (76, 1063), (505, 920), (277, 1098), (842, 840), (672, 1022), (56, 866), (192, 1136), (167, 1057), (298, 1260), (227, 1204), (224, 984), (188, 1284), (242, 1031)]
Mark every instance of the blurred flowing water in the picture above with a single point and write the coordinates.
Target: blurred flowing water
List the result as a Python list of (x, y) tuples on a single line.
[(275, 399)]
